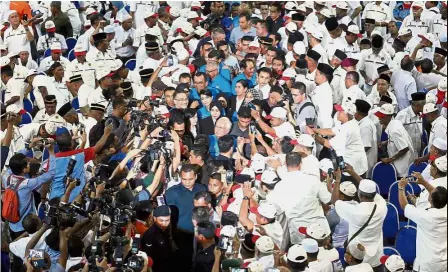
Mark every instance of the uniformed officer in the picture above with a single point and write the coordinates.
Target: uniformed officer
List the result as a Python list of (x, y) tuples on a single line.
[(80, 65), (50, 109), (98, 54), (56, 55), (72, 118), (153, 56), (158, 242), (411, 119)]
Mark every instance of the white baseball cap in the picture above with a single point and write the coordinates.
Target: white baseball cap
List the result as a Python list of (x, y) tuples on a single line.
[(175, 12), (4, 61), (393, 263), (442, 85), (90, 11), (53, 123), (310, 245), (117, 63), (290, 5), (265, 244), (385, 109), (269, 177), (228, 230), (163, 111), (103, 73), (325, 165), (429, 107), (200, 31), (265, 209), (315, 231), (428, 36), (441, 163), (348, 188), (186, 28), (306, 140), (317, 34), (404, 31), (325, 12), (254, 44), (49, 25), (367, 186), (31, 72), (258, 163), (297, 254), (15, 109), (109, 29), (288, 74), (419, 4), (149, 14), (440, 144), (348, 107), (256, 266), (354, 29), (342, 5), (193, 15), (248, 171), (56, 47), (431, 98), (301, 8), (182, 54), (299, 48), (277, 112), (358, 251), (291, 27)]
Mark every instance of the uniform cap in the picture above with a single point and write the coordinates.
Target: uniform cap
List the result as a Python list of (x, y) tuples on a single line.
[(56, 47), (288, 74), (431, 98), (97, 107), (348, 188), (310, 245), (99, 36), (31, 72), (66, 108), (163, 210), (393, 263), (331, 23), (269, 177), (367, 186), (325, 165), (254, 44), (428, 36), (50, 26), (429, 107), (50, 99), (362, 106), (277, 112), (404, 31), (440, 144), (80, 50), (418, 96), (325, 69), (441, 163), (151, 46), (297, 17), (200, 31), (258, 163), (15, 109), (75, 78), (342, 5), (146, 72), (358, 251), (149, 14), (370, 21), (297, 254), (440, 51), (314, 55), (265, 244), (399, 43), (265, 209), (186, 28), (193, 15), (385, 110)]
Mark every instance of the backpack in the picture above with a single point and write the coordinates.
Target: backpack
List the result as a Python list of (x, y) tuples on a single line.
[(11, 203)]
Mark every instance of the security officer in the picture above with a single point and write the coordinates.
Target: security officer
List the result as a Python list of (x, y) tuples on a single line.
[(411, 119), (50, 109), (158, 243), (80, 65), (98, 53)]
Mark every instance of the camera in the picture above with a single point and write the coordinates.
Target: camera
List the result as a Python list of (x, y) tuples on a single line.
[(170, 61), (229, 177), (253, 128), (37, 258), (60, 216)]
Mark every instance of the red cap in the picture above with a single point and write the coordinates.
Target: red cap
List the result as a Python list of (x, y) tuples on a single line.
[(294, 142), (235, 187), (179, 30), (285, 78), (254, 210), (255, 238), (53, 29), (258, 177), (195, 8), (383, 259), (56, 51), (432, 158), (416, 7), (380, 114), (268, 117), (349, 62), (338, 107), (83, 53)]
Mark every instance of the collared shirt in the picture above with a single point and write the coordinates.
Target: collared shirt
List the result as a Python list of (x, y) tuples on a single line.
[(182, 198), (302, 113), (370, 62), (374, 97), (142, 30), (331, 255), (320, 266), (425, 81), (352, 50), (63, 91), (431, 238), (238, 33), (140, 8), (364, 267), (353, 93), (438, 130), (348, 143), (99, 59), (41, 117), (122, 35), (204, 259), (18, 247), (14, 39), (333, 44), (86, 69), (89, 123), (14, 89), (156, 243), (73, 15), (418, 27), (45, 42), (369, 140), (372, 236), (413, 125), (398, 140), (338, 84), (423, 200), (380, 13), (322, 98), (310, 165), (44, 81), (17, 143), (25, 190), (440, 27), (431, 14), (46, 63), (83, 94), (299, 195), (323, 53), (404, 86)]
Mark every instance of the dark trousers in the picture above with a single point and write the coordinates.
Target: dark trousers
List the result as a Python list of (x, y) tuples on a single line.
[(17, 263), (378, 269)]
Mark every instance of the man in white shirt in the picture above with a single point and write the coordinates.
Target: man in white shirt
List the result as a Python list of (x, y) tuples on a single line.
[(338, 81), (336, 36), (56, 55), (45, 41), (404, 83), (411, 119), (371, 205), (380, 12), (350, 41), (368, 133), (354, 257), (437, 171), (437, 150), (81, 66), (431, 224), (315, 39), (150, 25), (314, 264), (13, 92), (399, 144), (104, 78), (299, 195), (43, 86), (280, 127), (415, 22), (440, 24), (322, 96), (45, 114), (18, 34), (352, 91), (95, 115), (437, 121), (124, 35)]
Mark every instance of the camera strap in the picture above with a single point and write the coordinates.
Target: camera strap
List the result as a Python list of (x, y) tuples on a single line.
[(348, 241)]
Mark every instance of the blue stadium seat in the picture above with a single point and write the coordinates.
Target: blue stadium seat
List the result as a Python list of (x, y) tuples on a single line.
[(426, 151), (390, 251), (130, 64), (384, 136), (71, 42), (391, 222), (71, 55), (405, 243), (393, 196), (75, 103), (424, 138), (384, 175), (26, 119), (27, 105), (417, 167), (47, 53), (341, 252)]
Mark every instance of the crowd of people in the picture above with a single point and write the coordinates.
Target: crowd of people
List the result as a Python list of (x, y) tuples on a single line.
[(211, 136)]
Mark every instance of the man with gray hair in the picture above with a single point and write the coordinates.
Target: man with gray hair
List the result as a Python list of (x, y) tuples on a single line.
[(222, 127), (217, 35), (353, 92), (404, 83)]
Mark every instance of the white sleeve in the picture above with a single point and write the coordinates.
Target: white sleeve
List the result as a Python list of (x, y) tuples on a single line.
[(324, 194), (63, 44), (398, 140), (367, 137)]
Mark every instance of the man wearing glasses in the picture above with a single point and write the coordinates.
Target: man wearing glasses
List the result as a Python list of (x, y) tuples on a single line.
[(217, 83)]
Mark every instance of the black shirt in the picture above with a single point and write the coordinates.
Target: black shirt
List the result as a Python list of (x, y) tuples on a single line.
[(156, 243), (205, 258)]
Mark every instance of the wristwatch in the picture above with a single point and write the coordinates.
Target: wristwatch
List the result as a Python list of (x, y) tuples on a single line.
[(245, 198)]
